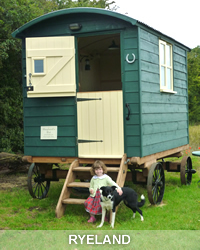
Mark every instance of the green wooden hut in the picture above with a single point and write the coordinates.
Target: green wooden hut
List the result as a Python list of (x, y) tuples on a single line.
[(100, 85)]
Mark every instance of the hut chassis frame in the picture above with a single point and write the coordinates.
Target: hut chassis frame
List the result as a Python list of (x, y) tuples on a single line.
[(146, 170)]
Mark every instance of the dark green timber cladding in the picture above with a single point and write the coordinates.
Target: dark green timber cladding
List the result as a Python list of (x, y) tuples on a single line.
[(164, 115), (50, 112), (131, 93)]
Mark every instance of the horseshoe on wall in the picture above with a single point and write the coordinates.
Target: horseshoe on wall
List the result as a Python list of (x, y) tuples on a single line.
[(130, 61)]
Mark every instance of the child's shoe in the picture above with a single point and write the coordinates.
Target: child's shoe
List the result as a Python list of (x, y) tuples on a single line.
[(92, 219)]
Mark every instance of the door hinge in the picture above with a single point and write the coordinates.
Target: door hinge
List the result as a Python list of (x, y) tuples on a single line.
[(86, 141), (87, 99)]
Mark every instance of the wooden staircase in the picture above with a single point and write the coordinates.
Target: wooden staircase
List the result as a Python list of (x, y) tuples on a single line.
[(65, 199)]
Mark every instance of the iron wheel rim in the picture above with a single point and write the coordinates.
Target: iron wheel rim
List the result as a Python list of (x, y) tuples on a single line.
[(156, 183), (186, 170), (37, 186)]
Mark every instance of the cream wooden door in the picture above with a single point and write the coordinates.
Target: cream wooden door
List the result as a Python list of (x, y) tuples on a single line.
[(100, 124), (50, 66)]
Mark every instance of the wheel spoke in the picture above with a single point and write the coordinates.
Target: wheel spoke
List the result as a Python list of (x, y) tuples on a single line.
[(156, 172), (34, 185), (42, 192), (160, 172), (35, 171), (154, 193), (189, 178), (156, 196), (36, 189), (159, 190), (43, 184), (160, 179), (45, 187)]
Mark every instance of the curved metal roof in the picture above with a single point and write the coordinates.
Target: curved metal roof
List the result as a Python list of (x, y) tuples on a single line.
[(84, 10), (17, 32)]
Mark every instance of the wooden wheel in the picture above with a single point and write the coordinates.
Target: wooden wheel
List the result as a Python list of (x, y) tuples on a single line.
[(156, 183), (37, 185), (186, 170)]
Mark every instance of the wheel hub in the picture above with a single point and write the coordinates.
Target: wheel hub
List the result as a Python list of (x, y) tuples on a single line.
[(190, 171), (39, 179), (158, 183)]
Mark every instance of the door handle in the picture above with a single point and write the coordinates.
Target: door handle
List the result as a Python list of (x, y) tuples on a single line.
[(129, 112), (30, 84), (30, 87)]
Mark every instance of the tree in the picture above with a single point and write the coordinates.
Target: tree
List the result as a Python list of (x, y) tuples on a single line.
[(194, 84), (104, 4), (13, 14)]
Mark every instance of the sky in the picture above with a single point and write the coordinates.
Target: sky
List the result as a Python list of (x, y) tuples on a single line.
[(177, 19)]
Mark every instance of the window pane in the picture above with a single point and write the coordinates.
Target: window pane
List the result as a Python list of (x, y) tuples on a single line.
[(168, 78), (162, 54), (39, 66), (168, 55), (162, 76)]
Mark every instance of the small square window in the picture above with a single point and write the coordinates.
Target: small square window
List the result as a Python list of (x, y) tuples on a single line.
[(39, 66)]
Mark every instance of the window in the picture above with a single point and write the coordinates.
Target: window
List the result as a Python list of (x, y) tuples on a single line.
[(166, 67), (39, 66)]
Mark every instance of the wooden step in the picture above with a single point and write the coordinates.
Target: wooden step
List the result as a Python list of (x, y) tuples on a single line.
[(70, 181), (113, 169), (73, 201), (87, 169), (82, 169), (65, 193), (79, 184)]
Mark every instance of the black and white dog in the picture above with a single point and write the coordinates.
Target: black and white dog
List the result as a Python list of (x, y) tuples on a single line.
[(110, 199)]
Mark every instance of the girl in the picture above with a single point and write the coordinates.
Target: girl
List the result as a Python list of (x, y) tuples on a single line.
[(100, 179)]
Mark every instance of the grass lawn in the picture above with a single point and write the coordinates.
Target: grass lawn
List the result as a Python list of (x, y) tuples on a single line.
[(27, 223), (180, 209)]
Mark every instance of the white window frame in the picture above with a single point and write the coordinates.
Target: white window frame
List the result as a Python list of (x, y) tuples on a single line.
[(166, 64), (33, 66)]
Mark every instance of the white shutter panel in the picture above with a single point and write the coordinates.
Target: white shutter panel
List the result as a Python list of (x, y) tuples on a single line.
[(51, 63)]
